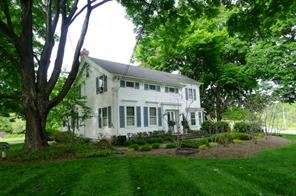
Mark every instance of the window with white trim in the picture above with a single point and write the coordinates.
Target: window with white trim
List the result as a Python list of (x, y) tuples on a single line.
[(129, 84), (130, 116), (105, 117), (152, 116), (192, 118)]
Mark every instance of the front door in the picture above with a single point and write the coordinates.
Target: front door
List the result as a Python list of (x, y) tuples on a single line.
[(172, 120)]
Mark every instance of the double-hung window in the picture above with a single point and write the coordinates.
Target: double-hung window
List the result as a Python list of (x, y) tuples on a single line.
[(130, 116), (192, 118), (152, 116), (105, 117)]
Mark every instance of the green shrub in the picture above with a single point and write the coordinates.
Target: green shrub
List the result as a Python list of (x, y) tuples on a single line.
[(203, 147), (215, 127), (213, 144), (246, 127), (155, 145), (60, 151), (104, 143), (66, 137), (134, 146), (169, 138), (145, 148), (224, 138), (237, 141), (171, 146), (152, 140), (207, 126), (194, 143)]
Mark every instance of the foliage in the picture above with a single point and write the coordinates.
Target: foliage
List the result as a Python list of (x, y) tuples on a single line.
[(155, 145), (195, 143), (72, 110), (145, 148), (203, 147), (237, 113), (270, 26), (192, 37), (12, 124), (142, 138), (213, 127), (169, 146), (247, 127), (60, 151), (66, 137), (225, 138), (134, 146), (104, 143)]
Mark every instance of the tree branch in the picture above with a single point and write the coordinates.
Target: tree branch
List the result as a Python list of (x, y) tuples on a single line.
[(75, 64)]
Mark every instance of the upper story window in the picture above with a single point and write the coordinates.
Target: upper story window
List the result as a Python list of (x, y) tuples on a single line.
[(129, 84), (190, 94), (171, 90), (152, 87), (101, 84)]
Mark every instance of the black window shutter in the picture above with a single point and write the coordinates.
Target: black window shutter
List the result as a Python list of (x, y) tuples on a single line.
[(97, 85), (137, 85), (121, 117), (145, 86), (186, 93), (122, 83), (145, 116), (109, 117), (194, 94), (159, 117), (100, 117), (158, 88), (105, 83), (166, 89), (138, 116)]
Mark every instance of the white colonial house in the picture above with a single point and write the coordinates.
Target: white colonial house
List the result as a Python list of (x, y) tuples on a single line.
[(130, 99)]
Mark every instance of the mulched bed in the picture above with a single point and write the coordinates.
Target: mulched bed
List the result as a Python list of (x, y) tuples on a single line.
[(246, 149)]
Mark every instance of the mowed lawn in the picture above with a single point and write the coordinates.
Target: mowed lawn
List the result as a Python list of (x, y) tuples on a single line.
[(271, 172)]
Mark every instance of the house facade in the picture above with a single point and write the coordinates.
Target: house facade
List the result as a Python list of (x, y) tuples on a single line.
[(130, 99)]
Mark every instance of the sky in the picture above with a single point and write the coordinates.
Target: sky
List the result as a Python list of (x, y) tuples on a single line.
[(110, 35)]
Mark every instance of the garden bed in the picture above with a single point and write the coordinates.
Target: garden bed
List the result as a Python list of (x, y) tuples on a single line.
[(245, 149)]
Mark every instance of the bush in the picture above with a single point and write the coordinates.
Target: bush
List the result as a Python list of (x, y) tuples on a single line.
[(145, 148), (213, 144), (60, 151), (155, 145), (134, 146), (237, 141), (203, 147), (104, 143), (171, 146), (224, 138), (245, 127), (152, 140), (169, 138), (194, 143), (215, 127), (66, 137)]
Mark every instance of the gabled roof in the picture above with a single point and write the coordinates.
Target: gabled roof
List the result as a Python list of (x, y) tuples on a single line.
[(142, 73)]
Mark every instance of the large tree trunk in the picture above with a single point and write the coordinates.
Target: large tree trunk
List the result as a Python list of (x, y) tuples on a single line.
[(35, 113)]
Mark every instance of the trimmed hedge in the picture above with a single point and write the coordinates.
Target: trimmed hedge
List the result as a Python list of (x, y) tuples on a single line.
[(171, 146), (145, 148), (155, 145)]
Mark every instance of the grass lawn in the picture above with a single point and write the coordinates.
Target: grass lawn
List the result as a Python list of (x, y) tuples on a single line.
[(13, 138), (271, 172)]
